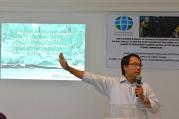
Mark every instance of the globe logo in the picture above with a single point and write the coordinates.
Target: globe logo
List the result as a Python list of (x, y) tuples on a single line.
[(123, 23)]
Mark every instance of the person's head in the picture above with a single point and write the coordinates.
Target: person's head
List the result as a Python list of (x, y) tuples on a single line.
[(2, 116), (131, 65), (177, 29)]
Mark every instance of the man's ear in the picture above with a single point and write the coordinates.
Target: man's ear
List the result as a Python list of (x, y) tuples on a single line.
[(125, 67)]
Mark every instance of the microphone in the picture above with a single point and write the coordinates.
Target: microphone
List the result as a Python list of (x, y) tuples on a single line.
[(138, 81)]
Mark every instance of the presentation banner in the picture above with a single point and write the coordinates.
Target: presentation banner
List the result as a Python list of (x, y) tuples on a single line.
[(155, 38)]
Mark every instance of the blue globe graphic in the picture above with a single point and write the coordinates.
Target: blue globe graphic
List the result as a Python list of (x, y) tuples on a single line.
[(123, 23)]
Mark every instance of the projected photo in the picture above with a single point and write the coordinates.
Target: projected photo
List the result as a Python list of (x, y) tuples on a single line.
[(30, 51), (159, 26)]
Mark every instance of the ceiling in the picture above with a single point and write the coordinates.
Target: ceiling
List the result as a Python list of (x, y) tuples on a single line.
[(89, 5)]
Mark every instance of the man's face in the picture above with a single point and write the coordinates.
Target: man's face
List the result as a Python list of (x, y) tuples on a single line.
[(133, 68)]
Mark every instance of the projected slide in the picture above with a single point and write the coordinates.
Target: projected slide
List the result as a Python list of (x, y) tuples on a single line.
[(30, 51)]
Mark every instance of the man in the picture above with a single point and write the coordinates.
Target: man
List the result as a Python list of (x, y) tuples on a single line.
[(175, 34), (123, 90)]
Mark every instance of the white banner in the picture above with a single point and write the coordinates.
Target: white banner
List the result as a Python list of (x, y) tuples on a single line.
[(154, 38)]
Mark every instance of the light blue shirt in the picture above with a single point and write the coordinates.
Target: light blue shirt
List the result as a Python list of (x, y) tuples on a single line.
[(119, 91)]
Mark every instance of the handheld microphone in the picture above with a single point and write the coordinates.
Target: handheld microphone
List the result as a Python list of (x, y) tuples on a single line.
[(138, 81)]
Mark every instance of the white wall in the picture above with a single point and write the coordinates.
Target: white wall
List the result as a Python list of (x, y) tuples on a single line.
[(30, 99)]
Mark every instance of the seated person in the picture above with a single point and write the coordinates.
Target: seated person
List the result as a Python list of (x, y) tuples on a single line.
[(2, 116)]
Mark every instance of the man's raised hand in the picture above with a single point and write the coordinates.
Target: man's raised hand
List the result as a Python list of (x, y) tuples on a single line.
[(63, 62)]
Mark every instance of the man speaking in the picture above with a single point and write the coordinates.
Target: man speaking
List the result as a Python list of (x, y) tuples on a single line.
[(126, 90)]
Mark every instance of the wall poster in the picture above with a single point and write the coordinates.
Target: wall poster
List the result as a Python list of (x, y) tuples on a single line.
[(153, 36)]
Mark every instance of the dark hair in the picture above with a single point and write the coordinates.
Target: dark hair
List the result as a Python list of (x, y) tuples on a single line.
[(125, 61), (2, 116)]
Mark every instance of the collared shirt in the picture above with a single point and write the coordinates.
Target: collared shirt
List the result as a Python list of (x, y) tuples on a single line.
[(119, 91)]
